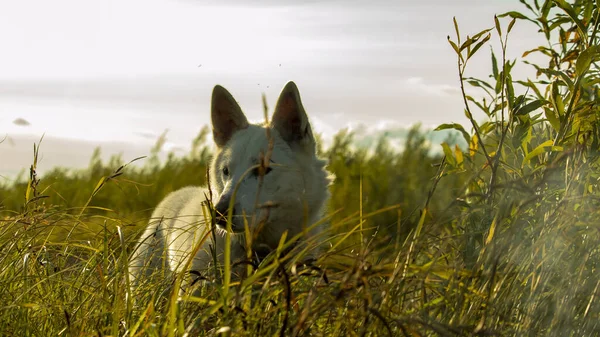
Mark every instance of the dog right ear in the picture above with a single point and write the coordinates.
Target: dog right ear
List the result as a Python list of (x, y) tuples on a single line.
[(226, 115), (291, 121)]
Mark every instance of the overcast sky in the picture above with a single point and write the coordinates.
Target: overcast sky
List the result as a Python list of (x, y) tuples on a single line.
[(124, 71)]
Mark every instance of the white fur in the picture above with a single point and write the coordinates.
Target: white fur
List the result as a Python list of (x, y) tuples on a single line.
[(295, 187)]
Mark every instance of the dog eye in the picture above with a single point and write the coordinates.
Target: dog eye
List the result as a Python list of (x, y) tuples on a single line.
[(226, 171)]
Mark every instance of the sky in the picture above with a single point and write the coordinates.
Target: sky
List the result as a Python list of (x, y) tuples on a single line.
[(117, 73)]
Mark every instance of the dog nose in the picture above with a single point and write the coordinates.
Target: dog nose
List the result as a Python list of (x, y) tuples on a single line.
[(221, 210), (222, 207)]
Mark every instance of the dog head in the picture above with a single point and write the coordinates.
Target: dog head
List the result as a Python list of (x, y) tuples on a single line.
[(269, 174)]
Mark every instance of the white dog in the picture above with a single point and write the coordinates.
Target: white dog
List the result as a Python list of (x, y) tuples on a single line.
[(271, 176)]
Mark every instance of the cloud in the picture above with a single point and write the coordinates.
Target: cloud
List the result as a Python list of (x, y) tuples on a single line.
[(368, 135), (147, 135), (419, 85), (173, 147), (21, 122)]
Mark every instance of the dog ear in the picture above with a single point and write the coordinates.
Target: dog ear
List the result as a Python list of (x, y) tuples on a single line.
[(226, 115), (291, 121)]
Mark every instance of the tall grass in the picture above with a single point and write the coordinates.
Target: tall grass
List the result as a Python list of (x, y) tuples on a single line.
[(497, 239)]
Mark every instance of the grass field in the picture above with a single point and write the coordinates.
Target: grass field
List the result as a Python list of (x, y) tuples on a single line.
[(497, 239)]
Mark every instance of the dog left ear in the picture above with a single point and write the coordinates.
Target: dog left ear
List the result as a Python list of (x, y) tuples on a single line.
[(291, 121)]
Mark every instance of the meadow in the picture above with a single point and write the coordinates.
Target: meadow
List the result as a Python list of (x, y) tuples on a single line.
[(498, 238)]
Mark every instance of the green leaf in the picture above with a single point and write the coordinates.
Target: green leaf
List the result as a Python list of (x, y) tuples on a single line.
[(520, 134), (518, 103), (587, 13), (494, 64), (541, 49), (492, 230), (480, 105), (557, 101), (571, 13), (455, 47), (456, 29), (514, 15), (481, 33), (546, 9), (471, 40), (529, 107), (479, 83), (459, 155), (468, 115), (101, 183), (531, 86), (473, 145), (510, 91), (584, 60), (544, 147), (467, 43), (562, 76), (510, 25), (498, 86), (477, 46), (455, 126), (449, 155), (497, 24)]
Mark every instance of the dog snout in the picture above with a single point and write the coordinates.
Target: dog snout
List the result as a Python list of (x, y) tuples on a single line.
[(222, 207), (221, 212)]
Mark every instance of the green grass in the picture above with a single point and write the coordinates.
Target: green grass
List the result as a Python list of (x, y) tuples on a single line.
[(497, 239)]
